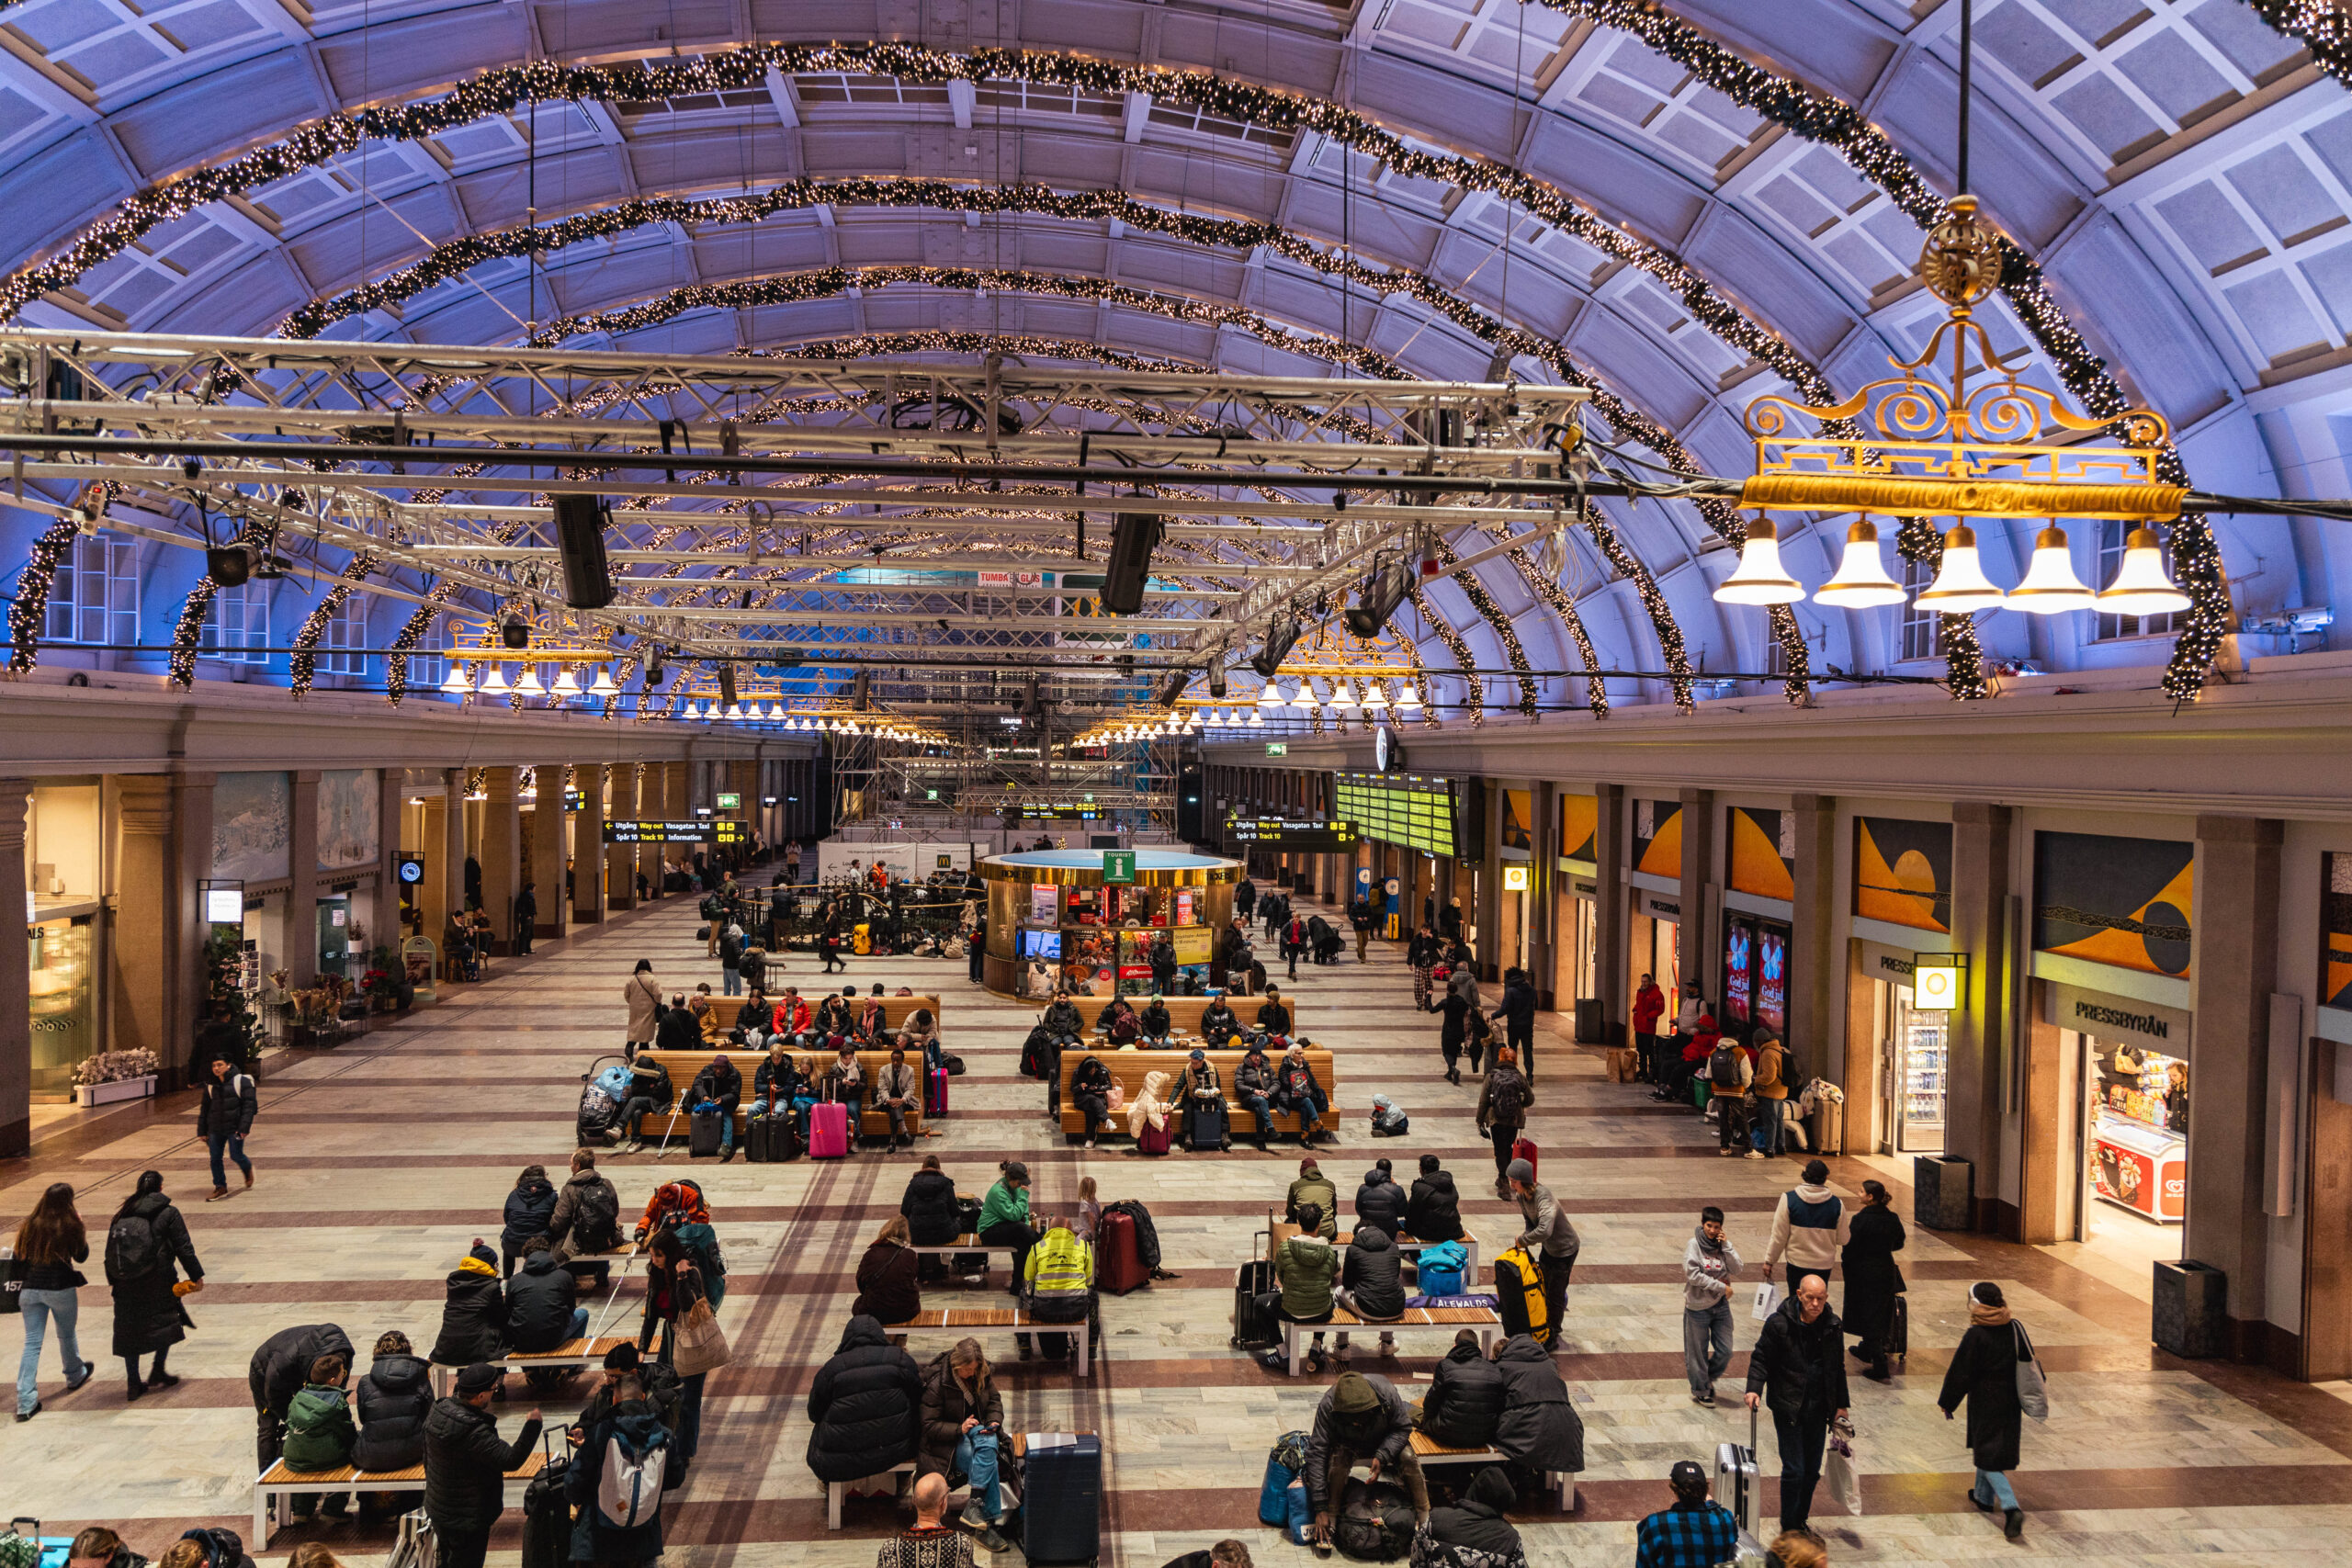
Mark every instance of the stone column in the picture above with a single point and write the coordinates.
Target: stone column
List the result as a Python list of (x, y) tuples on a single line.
[(589, 861), (142, 945), (620, 861), (1611, 915), (1981, 845), (1817, 960), (192, 862), (550, 850), (1697, 943), (385, 927), (2236, 970), (1489, 913), (652, 806), (444, 888), (501, 852), (15, 981), (302, 892)]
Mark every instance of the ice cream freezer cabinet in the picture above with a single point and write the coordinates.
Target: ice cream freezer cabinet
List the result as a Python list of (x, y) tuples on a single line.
[(2140, 1168)]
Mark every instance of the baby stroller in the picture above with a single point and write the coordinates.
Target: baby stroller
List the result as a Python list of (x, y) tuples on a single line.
[(1325, 941), (601, 1094)]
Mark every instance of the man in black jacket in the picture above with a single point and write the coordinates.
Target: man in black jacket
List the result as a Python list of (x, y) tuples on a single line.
[(1798, 1369), (1381, 1202), (1272, 1017), (1478, 1523), (1517, 1014), (1433, 1211), (650, 1089), (466, 1466), (718, 1086), (865, 1408), (539, 1310), (1465, 1399), (276, 1374), (1254, 1086), (526, 919), (224, 1116)]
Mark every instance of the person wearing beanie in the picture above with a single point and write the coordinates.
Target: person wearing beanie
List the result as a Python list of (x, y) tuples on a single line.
[(1363, 1419), (466, 1465), (1809, 1225), (1316, 1189), (1983, 1375), (1550, 1238), (473, 1314), (1694, 1532)]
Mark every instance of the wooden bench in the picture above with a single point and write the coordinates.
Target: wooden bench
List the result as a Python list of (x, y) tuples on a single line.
[(835, 1491), (1429, 1450), (1129, 1068), (896, 1010), (280, 1482), (873, 1120), (577, 1354), (1183, 1012), (1278, 1230), (1449, 1321), (1012, 1319)]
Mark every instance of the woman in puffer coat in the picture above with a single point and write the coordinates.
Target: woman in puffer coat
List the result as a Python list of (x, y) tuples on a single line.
[(1467, 1397), (1540, 1428), (1150, 1105), (865, 1408), (530, 1207), (393, 1400), (473, 1316)]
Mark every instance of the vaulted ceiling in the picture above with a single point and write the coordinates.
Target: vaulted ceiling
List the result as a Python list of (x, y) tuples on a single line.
[(1683, 205)]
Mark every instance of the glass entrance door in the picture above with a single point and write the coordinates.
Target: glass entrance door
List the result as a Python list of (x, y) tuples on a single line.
[(1920, 1051), (334, 935)]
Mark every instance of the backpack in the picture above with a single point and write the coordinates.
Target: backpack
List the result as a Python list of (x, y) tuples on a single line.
[(628, 1489), (1722, 1067), (1033, 1050), (597, 1223), (1375, 1522), (1510, 1098), (1284, 1463), (134, 1251)]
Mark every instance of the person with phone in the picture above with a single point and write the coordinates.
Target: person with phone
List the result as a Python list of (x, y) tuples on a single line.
[(963, 1417)]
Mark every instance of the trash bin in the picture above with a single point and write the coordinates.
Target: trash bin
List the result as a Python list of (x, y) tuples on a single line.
[(1591, 1031), (1942, 1192), (2188, 1318)]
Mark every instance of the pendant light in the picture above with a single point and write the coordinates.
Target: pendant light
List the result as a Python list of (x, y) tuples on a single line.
[(1272, 696), (1411, 697), (602, 686), (2142, 585), (495, 681), (529, 684), (735, 710), (1760, 577), (1373, 696), (1306, 698), (2050, 587), (1256, 718), (1960, 584), (1861, 582), (456, 679), (1340, 696), (567, 684)]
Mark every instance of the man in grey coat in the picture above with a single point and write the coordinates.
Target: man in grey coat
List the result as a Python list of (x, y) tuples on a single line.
[(1549, 1238), (1361, 1417)]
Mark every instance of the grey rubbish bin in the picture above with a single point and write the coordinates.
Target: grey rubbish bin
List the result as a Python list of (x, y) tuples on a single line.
[(2190, 1317), (1942, 1192)]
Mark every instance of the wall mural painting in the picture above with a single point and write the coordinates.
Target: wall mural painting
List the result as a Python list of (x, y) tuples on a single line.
[(1903, 872), (1763, 851), (1580, 826), (1658, 837), (2114, 900), (1518, 819), (348, 811), (2336, 931), (253, 816)]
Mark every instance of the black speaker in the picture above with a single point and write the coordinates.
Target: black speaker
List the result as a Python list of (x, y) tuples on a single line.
[(228, 566), (1177, 680), (1281, 634), (1378, 599), (1217, 681), (727, 685), (861, 691), (579, 545), (1134, 536), (514, 632)]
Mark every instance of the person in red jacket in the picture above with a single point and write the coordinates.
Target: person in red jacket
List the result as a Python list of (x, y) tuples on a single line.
[(1703, 1041), (1649, 1006)]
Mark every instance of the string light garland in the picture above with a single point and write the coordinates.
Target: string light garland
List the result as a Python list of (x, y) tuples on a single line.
[(1548, 589), (1459, 647), (2323, 27), (1670, 643), (28, 616), (306, 641), (188, 632), (1505, 632)]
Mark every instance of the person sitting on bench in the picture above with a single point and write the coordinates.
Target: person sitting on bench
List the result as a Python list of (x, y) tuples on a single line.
[(1156, 1025), (1371, 1283), (1089, 1090), (1299, 1094), (539, 1310), (1201, 1094), (898, 1091), (1307, 1267), (1218, 1023), (1118, 1022), (717, 1088), (1274, 1018)]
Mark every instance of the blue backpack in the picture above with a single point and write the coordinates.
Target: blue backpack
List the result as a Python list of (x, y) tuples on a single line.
[(1438, 1270), (1282, 1467)]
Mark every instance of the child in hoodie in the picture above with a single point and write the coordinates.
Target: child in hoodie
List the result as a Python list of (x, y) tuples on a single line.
[(320, 1432), (1709, 1263)]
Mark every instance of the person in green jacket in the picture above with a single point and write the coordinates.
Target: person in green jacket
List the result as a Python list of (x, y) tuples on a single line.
[(1307, 1267), (320, 1432), (1314, 1188), (1005, 1222)]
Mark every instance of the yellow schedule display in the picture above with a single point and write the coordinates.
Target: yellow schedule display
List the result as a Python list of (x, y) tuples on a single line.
[(704, 831), (1412, 809)]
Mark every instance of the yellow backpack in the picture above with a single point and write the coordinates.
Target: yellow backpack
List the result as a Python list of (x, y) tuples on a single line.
[(1519, 1279)]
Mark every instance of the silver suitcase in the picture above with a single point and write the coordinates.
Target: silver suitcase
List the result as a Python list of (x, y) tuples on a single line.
[(1735, 1487)]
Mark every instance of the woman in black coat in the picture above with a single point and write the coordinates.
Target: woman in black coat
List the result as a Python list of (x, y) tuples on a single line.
[(147, 1311), (865, 1408), (394, 1397), (1984, 1372), (529, 1208), (1874, 1279), (1458, 1009)]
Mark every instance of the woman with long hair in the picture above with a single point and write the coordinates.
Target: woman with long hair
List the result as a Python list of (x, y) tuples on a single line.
[(148, 1316), (1873, 1279), (673, 1284), (887, 1291), (52, 1240)]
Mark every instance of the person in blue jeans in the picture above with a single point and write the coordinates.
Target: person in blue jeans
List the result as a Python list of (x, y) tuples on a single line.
[(52, 1240), (962, 1417), (223, 1117), (1984, 1376), (719, 1088)]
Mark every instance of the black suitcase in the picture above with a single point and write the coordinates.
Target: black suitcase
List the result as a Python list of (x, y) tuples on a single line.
[(1253, 1326), (755, 1140), (1899, 1331), (1206, 1121), (1061, 1513), (703, 1134)]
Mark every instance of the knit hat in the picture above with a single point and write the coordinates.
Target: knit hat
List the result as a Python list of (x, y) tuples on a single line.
[(1351, 1396), (479, 1378), (1520, 1170)]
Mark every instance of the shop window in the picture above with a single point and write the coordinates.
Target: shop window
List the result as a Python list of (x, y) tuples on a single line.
[(345, 636), (2112, 534), (236, 624), (93, 597), (1922, 632)]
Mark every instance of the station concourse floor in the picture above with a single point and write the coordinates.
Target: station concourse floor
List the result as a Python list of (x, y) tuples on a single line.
[(381, 1160)]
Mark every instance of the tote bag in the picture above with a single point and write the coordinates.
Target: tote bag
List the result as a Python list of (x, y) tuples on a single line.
[(700, 1345), (2034, 1388)]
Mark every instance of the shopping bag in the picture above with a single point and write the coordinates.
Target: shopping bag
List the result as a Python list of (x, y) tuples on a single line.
[(1840, 1476), (700, 1345), (412, 1547), (1767, 1296)]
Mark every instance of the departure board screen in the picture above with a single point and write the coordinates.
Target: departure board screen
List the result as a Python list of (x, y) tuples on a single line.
[(1279, 833), (1048, 811), (1412, 809)]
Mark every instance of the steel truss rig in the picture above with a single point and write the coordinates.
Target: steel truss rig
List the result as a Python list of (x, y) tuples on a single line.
[(823, 495)]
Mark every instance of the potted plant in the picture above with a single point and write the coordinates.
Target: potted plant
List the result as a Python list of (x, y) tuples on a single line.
[(114, 1075)]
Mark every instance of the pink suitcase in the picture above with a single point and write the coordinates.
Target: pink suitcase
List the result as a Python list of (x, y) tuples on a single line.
[(935, 1102), (1154, 1140), (828, 1131)]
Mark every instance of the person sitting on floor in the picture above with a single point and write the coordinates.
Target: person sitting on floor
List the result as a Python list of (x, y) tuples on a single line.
[(1474, 1534), (1362, 1419)]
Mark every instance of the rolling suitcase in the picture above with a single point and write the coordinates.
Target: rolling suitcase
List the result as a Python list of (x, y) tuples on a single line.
[(934, 1097), (1899, 1331), (703, 1134), (1253, 1326), (829, 1131), (1207, 1124), (1153, 1140), (1061, 1513), (755, 1140), (1524, 1149), (1735, 1485), (1519, 1295), (1118, 1261)]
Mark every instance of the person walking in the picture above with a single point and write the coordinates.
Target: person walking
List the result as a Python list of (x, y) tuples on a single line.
[(674, 1282), (1798, 1371), (1360, 916), (1874, 1279), (644, 999), (1649, 1006), (466, 1466), (1710, 1264), (1518, 1013), (730, 960), (1455, 1031), (792, 863), (526, 919), (1809, 1225), (1503, 1102), (49, 1245), (147, 1249), (224, 1116), (1420, 954), (1983, 1375), (1550, 1238)]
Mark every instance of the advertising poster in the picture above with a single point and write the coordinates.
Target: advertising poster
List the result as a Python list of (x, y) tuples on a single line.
[(1772, 979), (1192, 945), (1043, 902)]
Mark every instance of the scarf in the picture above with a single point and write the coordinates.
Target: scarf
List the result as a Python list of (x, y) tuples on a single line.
[(1987, 1317)]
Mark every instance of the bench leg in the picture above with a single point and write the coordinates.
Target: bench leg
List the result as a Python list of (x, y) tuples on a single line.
[(833, 1505), (1290, 1346), (261, 1518), (1085, 1350), (1567, 1492)]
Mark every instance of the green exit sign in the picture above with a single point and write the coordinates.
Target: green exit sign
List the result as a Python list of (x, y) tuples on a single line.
[(730, 802), (931, 795), (1118, 865), (1277, 749)]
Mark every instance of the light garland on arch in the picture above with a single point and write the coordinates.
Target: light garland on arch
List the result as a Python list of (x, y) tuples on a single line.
[(306, 641), (27, 616), (188, 632), (1492, 613), (1547, 588), (1459, 647), (1629, 566)]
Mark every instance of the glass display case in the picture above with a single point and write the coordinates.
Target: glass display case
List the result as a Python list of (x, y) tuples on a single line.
[(2139, 1158), (64, 1023)]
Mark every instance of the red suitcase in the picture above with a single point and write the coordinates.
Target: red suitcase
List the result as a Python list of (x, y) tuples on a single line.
[(1117, 1266), (934, 1099), (829, 1131), (1155, 1140), (1524, 1149)]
